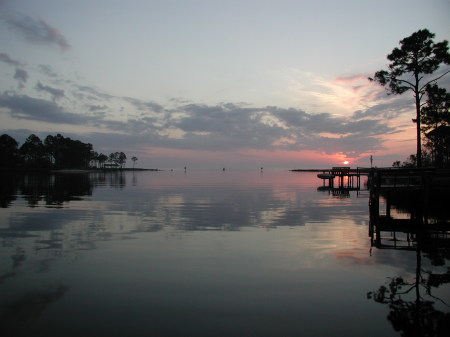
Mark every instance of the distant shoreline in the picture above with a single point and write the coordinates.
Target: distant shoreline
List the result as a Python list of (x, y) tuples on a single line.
[(89, 170), (92, 170), (100, 170), (309, 170), (352, 170)]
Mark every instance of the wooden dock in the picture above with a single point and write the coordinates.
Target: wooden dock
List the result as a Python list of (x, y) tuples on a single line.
[(343, 177), (421, 195)]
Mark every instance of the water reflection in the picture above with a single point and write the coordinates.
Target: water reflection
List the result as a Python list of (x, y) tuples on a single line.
[(186, 253), (410, 225), (411, 300), (43, 189), (29, 307), (176, 204), (67, 213)]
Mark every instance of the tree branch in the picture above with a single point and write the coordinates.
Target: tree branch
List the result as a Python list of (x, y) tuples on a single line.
[(424, 86), (406, 291), (436, 298), (407, 82)]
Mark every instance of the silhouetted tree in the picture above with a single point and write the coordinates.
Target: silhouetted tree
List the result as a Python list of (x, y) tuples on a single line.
[(33, 152), (436, 124), (67, 153), (117, 159), (9, 152), (93, 159), (134, 159), (55, 148), (55, 152), (436, 110), (418, 56), (411, 161), (112, 159), (79, 154), (102, 158), (121, 159)]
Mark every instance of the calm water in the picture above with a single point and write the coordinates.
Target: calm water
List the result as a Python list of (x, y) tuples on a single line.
[(205, 253)]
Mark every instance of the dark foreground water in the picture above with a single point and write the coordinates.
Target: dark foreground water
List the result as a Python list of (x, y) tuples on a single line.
[(204, 253)]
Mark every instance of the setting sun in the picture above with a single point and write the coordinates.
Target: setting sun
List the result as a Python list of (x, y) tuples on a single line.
[(346, 162)]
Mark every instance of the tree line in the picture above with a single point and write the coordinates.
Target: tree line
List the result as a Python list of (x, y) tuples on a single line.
[(55, 152), (435, 120), (414, 68)]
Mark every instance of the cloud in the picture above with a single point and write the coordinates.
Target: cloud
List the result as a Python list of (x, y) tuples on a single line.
[(342, 94), (230, 127), (8, 60), (144, 105), (54, 92), (35, 30), (29, 108), (42, 110), (47, 70), (352, 145), (225, 126), (219, 127), (21, 76), (95, 108), (85, 92), (388, 109)]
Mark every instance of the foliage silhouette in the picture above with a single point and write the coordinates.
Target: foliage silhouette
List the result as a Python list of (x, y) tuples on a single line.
[(33, 152), (9, 151), (411, 302), (417, 57), (436, 124), (56, 152), (134, 159)]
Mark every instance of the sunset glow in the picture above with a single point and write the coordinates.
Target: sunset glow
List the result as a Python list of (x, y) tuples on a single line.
[(263, 96)]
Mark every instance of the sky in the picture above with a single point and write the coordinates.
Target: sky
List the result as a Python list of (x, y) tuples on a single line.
[(240, 84)]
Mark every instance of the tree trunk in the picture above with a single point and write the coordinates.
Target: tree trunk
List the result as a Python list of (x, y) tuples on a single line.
[(419, 140)]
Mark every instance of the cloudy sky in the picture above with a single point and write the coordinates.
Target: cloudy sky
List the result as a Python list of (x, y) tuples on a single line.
[(211, 84)]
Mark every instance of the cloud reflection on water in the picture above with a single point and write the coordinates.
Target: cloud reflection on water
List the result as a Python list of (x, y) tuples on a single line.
[(138, 230), (110, 206)]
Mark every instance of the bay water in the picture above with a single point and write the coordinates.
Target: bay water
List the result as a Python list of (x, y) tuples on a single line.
[(195, 253)]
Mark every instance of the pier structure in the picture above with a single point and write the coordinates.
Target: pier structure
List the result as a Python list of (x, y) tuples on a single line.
[(343, 178), (420, 195)]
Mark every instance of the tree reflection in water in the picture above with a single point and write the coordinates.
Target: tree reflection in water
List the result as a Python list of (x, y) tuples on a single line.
[(16, 315), (54, 189), (416, 316), (412, 304)]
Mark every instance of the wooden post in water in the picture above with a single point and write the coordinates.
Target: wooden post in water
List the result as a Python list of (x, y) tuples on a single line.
[(388, 204), (374, 209)]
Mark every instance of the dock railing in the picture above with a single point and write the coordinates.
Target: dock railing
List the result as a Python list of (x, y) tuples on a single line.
[(395, 178), (337, 170)]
